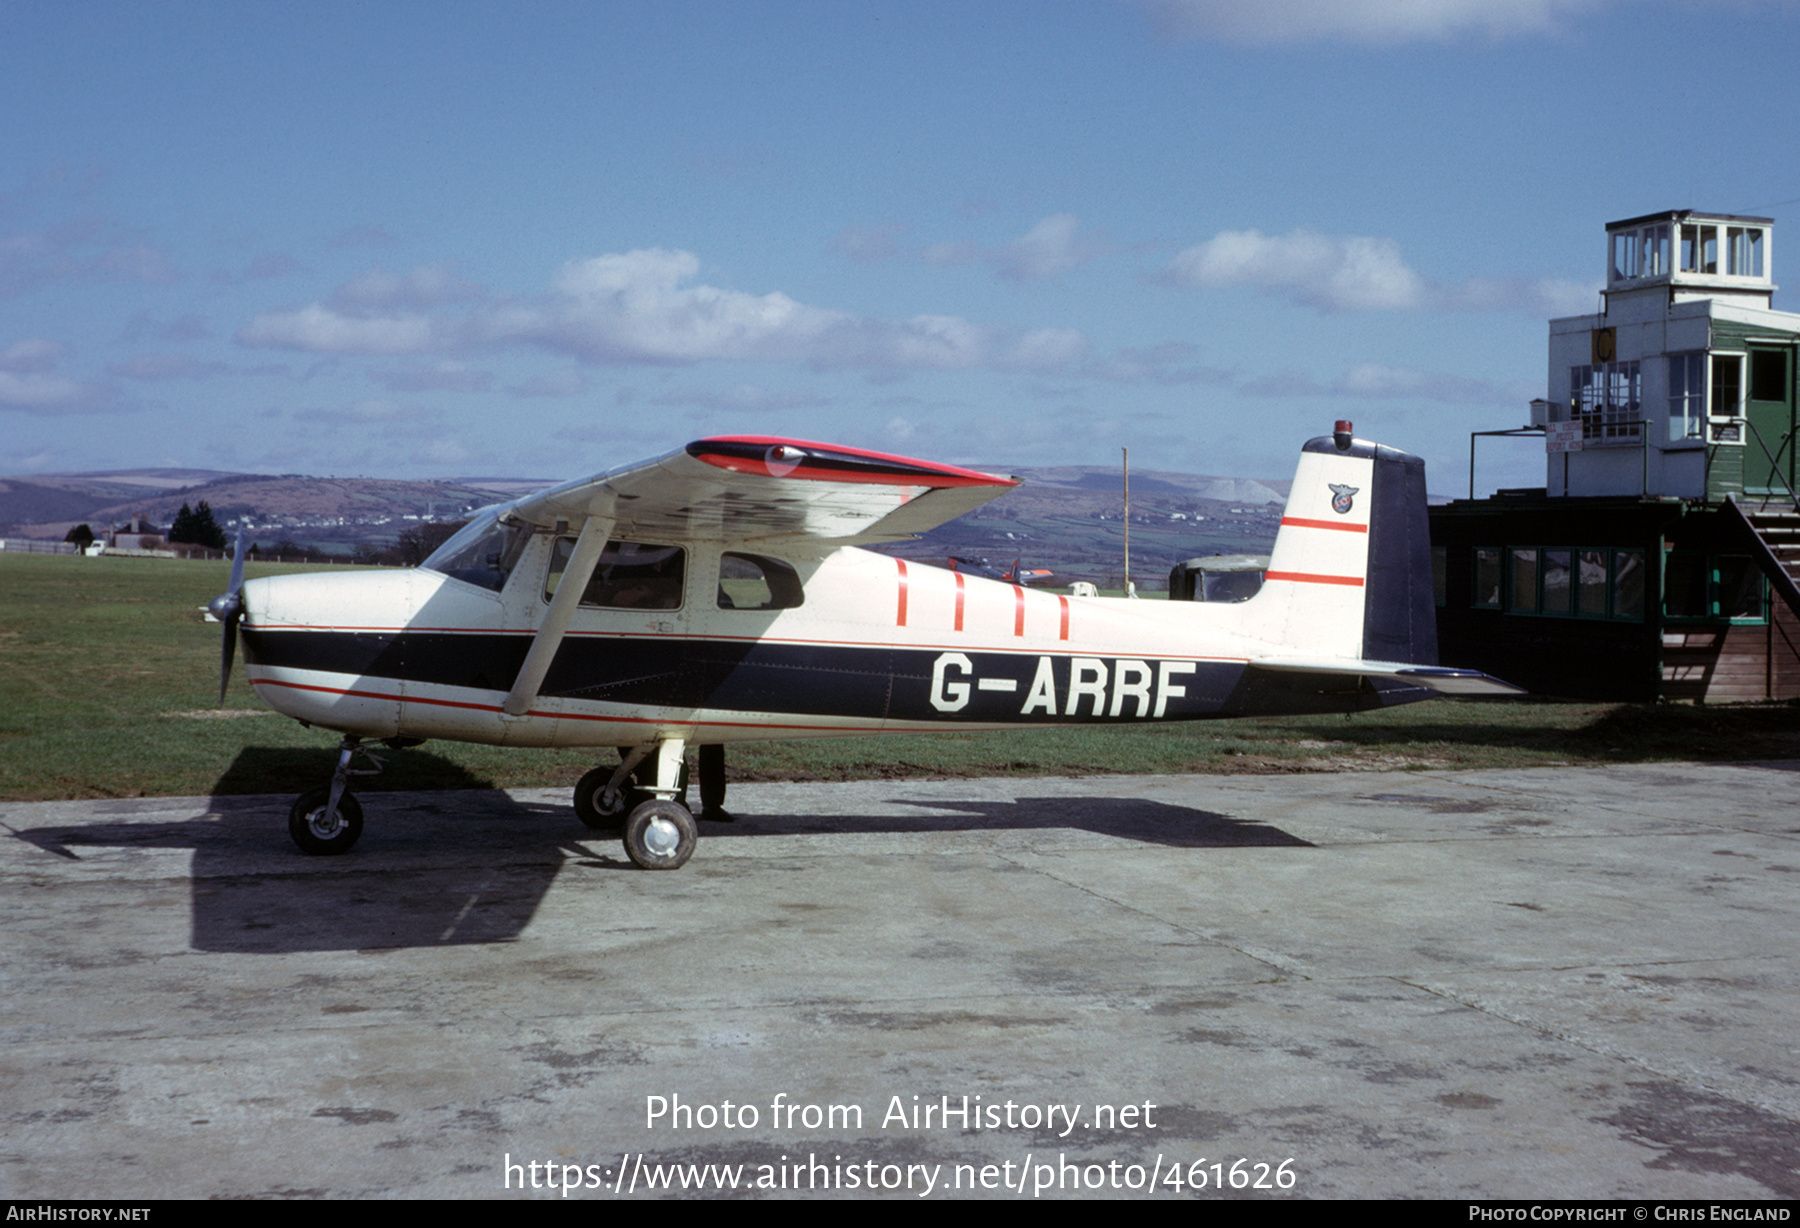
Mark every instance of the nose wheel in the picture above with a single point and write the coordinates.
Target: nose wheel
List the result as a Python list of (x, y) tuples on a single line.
[(327, 820), (319, 828)]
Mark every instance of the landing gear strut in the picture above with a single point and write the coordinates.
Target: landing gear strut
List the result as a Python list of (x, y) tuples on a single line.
[(659, 831), (327, 820)]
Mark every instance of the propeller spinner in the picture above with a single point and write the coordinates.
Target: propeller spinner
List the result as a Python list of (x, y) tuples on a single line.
[(228, 608)]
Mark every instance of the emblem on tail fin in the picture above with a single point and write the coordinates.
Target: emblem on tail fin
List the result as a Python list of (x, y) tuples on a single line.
[(1341, 496)]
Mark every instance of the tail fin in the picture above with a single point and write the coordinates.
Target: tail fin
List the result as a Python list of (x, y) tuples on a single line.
[(1350, 574)]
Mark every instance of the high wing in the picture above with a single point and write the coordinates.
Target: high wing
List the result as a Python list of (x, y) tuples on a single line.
[(746, 488), (768, 490)]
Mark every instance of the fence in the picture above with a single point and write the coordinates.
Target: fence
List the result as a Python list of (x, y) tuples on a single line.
[(25, 545)]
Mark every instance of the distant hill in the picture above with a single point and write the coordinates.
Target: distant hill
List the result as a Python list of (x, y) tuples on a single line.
[(47, 505), (1155, 483), (24, 502)]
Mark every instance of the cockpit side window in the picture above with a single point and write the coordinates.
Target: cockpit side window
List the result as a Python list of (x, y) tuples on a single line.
[(629, 576), (483, 552), (752, 582)]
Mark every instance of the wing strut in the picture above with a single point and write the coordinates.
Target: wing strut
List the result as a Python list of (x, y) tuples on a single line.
[(574, 582)]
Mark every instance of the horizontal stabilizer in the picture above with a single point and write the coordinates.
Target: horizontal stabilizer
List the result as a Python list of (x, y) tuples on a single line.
[(1438, 678)]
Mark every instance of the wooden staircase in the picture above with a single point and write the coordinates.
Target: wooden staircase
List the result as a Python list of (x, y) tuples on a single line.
[(1772, 530)]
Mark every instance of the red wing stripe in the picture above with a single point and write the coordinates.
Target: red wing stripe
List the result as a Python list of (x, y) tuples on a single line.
[(900, 621), (1018, 610), (1302, 577), (833, 463), (1342, 526), (1065, 618), (959, 601)]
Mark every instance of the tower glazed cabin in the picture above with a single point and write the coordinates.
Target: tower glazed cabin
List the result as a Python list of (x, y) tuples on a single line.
[(1657, 560)]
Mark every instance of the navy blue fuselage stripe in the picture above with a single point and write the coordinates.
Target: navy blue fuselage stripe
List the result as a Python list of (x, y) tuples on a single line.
[(873, 682)]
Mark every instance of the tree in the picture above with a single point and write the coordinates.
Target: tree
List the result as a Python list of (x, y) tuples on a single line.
[(81, 535), (197, 527)]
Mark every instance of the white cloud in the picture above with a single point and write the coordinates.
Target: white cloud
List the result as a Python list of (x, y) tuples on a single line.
[(930, 341), (646, 307), (1360, 273), (28, 383), (635, 307), (84, 249), (35, 392), (448, 452), (960, 252), (1378, 381), (143, 327), (639, 307), (1362, 21), (427, 285), (325, 330), (1336, 273), (31, 354), (1044, 349), (1545, 296), (1053, 246)]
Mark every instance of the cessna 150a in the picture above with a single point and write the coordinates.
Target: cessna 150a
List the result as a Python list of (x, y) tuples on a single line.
[(717, 594)]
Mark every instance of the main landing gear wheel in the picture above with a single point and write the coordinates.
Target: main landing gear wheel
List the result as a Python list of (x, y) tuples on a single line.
[(321, 832), (591, 789), (592, 810), (660, 835)]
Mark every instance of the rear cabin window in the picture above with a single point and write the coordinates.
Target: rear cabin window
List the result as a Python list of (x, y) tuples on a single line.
[(629, 576), (751, 582)]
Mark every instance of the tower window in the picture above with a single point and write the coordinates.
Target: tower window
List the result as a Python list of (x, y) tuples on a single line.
[(1605, 396)]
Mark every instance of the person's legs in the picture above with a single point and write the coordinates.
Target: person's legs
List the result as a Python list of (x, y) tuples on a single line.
[(712, 784)]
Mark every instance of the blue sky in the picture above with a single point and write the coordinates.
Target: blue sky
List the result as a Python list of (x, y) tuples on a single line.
[(413, 240)]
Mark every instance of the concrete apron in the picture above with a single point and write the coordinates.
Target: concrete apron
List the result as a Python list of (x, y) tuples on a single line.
[(1523, 984)]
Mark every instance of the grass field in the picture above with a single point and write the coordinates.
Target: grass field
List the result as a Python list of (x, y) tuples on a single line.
[(109, 677)]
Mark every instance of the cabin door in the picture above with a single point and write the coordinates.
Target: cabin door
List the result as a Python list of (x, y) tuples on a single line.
[(1769, 405)]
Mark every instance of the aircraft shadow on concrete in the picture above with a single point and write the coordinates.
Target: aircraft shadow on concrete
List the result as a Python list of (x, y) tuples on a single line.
[(1128, 818), (473, 865)]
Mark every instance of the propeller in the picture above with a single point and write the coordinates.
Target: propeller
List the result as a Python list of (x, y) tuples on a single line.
[(228, 608)]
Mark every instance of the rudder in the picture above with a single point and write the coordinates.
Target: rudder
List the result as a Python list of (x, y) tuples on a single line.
[(1350, 572)]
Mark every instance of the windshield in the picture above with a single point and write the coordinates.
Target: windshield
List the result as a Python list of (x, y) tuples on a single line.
[(482, 552)]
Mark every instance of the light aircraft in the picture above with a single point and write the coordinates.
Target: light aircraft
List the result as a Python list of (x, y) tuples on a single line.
[(719, 594), (1016, 573)]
